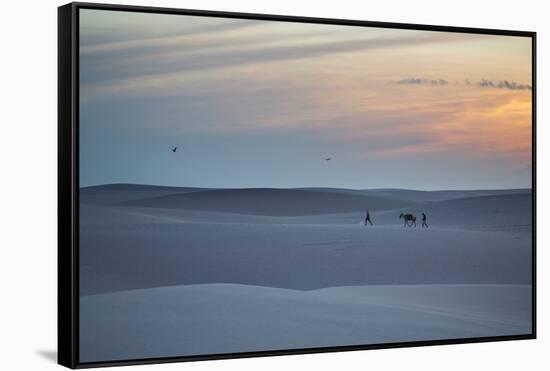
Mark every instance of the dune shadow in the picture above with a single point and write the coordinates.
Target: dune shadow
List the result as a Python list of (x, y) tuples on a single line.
[(50, 355)]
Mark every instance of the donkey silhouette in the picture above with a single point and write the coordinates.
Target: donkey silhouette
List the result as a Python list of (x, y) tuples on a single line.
[(408, 219)]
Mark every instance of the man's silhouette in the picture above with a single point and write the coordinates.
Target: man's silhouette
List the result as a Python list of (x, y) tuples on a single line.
[(367, 219), (424, 221)]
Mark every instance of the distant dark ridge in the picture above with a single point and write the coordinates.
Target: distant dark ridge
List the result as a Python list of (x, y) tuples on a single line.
[(270, 201), (146, 187), (137, 187), (496, 190)]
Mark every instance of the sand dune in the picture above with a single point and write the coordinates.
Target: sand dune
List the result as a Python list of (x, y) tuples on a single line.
[(191, 271), (109, 194), (511, 212), (427, 196), (501, 212), (270, 201), (175, 246), (220, 318), (302, 201), (134, 255), (421, 196)]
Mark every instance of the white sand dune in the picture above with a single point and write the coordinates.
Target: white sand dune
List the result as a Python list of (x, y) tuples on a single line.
[(420, 196), (511, 212), (428, 196), (224, 318), (503, 213), (152, 260), (499, 210), (114, 193), (109, 194), (270, 201), (135, 253)]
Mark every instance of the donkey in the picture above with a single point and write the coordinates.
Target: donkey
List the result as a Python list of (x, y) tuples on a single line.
[(409, 220)]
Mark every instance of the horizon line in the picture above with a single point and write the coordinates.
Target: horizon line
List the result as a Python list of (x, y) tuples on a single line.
[(307, 187)]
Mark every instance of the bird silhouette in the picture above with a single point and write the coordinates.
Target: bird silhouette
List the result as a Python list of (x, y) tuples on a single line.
[(328, 159), (174, 149)]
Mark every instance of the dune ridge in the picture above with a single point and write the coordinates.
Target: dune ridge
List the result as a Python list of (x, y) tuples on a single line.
[(270, 201), (221, 318), (185, 271)]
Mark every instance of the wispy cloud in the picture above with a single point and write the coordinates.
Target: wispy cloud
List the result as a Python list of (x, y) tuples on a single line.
[(419, 81), (165, 41), (483, 83), (168, 81), (125, 66), (503, 84)]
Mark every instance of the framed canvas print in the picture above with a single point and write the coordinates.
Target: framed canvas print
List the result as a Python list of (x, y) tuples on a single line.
[(235, 185)]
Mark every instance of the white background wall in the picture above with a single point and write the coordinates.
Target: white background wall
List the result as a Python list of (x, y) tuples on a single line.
[(28, 155)]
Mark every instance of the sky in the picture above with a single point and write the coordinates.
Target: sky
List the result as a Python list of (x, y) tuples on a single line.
[(264, 104)]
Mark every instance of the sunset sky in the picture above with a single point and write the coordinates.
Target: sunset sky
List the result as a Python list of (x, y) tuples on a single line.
[(262, 104)]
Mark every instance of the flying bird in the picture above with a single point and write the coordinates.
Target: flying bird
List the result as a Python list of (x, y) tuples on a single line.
[(328, 159), (174, 149)]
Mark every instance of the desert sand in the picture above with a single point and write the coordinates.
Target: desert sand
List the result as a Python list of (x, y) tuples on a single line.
[(172, 271)]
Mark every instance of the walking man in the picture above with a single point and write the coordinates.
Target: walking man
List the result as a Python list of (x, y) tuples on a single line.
[(367, 219), (424, 221)]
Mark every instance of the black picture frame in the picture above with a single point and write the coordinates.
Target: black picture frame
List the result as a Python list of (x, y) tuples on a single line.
[(68, 181)]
